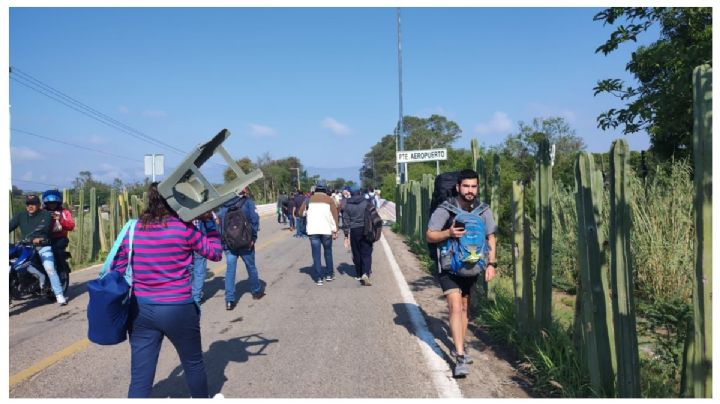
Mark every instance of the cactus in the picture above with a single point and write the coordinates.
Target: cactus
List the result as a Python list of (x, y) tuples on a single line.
[(122, 210), (543, 277), (522, 277), (482, 183), (113, 216), (494, 193), (126, 206), (135, 206), (594, 321), (66, 198), (621, 274), (416, 207), (94, 222), (700, 382), (80, 227)]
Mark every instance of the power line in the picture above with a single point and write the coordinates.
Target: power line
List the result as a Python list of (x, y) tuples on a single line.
[(37, 85), (74, 145), (34, 182), (91, 113)]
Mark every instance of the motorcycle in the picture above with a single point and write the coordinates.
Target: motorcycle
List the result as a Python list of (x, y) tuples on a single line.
[(23, 284)]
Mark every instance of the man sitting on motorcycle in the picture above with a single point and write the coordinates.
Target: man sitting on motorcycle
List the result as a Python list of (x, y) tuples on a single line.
[(62, 221), (35, 225)]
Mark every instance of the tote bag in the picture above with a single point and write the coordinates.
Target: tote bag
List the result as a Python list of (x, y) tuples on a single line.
[(108, 310)]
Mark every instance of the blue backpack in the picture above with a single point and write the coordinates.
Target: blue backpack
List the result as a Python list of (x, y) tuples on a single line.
[(466, 255)]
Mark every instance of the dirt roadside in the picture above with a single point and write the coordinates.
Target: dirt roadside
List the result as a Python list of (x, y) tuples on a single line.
[(492, 374)]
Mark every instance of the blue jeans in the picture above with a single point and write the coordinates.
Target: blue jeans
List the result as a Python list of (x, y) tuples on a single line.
[(198, 270), (299, 226), (150, 323), (48, 262), (248, 257), (316, 241)]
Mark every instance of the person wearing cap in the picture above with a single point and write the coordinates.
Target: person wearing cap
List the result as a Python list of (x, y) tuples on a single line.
[(353, 225), (322, 228), (35, 226)]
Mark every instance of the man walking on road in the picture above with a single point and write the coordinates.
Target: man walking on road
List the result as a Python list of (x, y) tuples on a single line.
[(353, 225), (456, 288), (322, 227), (246, 251)]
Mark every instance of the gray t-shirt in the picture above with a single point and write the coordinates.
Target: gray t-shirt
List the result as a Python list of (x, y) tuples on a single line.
[(440, 217)]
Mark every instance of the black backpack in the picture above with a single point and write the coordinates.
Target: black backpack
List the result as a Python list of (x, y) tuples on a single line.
[(237, 229), (444, 189), (372, 223)]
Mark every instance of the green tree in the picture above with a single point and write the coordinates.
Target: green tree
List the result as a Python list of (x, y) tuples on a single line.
[(519, 150), (662, 102), (421, 133)]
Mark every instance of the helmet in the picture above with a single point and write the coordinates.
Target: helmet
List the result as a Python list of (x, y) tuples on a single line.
[(52, 195)]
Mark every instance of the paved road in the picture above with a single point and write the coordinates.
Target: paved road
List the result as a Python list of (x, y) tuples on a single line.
[(301, 340)]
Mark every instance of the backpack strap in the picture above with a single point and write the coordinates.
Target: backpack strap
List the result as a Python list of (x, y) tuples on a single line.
[(129, 227), (480, 209)]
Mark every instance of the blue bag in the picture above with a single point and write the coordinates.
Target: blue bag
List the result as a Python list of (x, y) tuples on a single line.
[(108, 309), (467, 255)]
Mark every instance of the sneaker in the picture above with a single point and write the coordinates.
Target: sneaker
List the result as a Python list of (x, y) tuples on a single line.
[(259, 295), (357, 278), (329, 278), (229, 306), (319, 282), (219, 395), (61, 300), (366, 280), (466, 357), (461, 368)]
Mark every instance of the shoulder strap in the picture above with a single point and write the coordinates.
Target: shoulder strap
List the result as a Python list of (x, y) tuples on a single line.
[(480, 209), (451, 208), (129, 226)]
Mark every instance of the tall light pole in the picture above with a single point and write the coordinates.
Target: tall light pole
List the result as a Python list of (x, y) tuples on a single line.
[(401, 129), (298, 176)]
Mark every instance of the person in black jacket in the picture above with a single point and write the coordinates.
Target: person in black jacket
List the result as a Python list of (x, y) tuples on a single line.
[(353, 223), (35, 226)]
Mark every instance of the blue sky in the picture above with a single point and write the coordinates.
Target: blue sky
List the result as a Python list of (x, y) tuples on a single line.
[(317, 83)]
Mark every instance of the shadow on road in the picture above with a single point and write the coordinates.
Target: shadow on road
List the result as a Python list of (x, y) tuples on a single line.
[(346, 269), (217, 285), (21, 306), (435, 326), (217, 358)]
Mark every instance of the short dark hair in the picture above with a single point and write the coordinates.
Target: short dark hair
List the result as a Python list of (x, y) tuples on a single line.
[(467, 175)]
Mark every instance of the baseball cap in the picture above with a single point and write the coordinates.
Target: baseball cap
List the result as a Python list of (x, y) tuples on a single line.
[(32, 200)]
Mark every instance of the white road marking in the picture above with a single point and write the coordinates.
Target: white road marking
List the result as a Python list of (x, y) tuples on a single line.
[(445, 385)]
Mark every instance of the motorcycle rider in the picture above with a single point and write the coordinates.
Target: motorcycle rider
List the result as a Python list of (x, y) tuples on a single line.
[(35, 225), (62, 222)]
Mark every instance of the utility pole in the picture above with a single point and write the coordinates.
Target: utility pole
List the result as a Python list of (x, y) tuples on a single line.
[(401, 129), (298, 176)]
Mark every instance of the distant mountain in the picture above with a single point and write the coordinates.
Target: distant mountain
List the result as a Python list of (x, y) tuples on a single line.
[(348, 173)]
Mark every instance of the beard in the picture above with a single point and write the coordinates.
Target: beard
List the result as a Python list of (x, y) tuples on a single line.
[(469, 197)]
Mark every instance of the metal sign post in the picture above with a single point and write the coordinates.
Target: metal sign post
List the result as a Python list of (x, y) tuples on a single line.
[(154, 165)]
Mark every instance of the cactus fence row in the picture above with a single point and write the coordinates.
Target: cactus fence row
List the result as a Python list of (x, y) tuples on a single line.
[(605, 315)]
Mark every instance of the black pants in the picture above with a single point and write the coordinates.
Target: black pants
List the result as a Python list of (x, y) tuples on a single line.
[(361, 251)]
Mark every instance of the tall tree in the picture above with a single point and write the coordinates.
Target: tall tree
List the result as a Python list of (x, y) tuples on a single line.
[(662, 102), (421, 133)]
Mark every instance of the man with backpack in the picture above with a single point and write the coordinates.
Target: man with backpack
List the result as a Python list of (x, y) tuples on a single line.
[(362, 227), (464, 230), (240, 224)]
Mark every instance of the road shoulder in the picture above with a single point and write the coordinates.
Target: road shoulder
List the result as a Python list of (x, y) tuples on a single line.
[(491, 374)]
